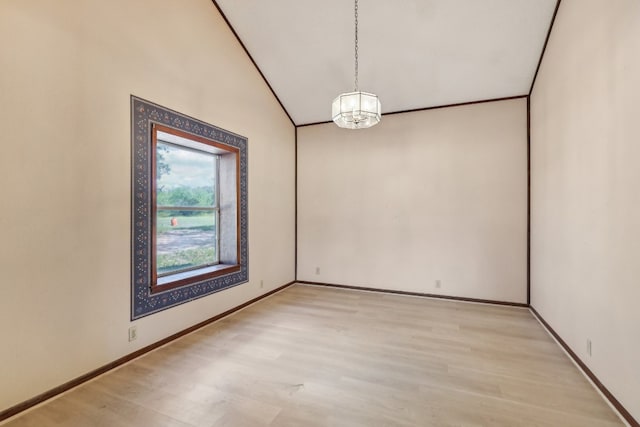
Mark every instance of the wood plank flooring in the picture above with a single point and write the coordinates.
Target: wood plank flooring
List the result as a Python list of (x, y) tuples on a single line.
[(313, 356)]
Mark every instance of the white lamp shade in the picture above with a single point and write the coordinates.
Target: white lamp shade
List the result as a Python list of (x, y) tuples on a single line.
[(356, 110)]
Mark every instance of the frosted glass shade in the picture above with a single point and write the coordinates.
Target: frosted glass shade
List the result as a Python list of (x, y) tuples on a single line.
[(356, 110)]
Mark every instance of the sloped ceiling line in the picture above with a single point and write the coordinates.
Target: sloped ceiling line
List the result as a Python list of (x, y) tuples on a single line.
[(215, 3), (544, 48)]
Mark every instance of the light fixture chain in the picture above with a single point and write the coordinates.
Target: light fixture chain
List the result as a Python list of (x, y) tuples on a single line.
[(356, 46)]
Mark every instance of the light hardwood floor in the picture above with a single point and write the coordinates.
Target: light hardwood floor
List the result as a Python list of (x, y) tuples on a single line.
[(314, 356)]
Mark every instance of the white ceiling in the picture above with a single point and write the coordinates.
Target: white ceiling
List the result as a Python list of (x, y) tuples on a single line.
[(413, 53)]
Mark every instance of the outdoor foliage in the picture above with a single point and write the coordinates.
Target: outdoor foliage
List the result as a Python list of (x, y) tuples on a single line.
[(162, 167), (185, 259), (186, 196)]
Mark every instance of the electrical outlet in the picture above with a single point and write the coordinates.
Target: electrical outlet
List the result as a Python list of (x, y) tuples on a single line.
[(589, 347), (133, 333), (262, 283), (317, 270), (438, 284)]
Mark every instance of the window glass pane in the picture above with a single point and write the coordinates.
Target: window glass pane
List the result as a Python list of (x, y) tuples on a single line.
[(185, 177), (185, 240)]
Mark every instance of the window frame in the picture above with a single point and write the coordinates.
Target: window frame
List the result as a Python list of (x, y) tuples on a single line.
[(160, 283), (234, 212)]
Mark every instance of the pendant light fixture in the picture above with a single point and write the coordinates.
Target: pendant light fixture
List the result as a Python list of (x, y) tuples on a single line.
[(356, 110)]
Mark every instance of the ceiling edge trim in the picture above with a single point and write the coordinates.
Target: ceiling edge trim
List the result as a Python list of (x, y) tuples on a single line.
[(460, 104), (544, 47), (226, 20)]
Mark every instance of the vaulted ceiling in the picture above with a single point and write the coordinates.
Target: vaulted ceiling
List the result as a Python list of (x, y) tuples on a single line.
[(413, 53)]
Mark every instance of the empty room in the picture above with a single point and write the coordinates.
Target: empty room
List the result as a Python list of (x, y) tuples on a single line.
[(339, 213)]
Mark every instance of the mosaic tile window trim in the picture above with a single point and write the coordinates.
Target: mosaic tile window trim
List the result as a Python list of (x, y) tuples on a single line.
[(143, 115)]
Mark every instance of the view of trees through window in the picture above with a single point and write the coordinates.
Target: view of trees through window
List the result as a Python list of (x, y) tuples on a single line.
[(186, 208)]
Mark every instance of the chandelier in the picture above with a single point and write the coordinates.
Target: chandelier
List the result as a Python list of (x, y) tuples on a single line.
[(356, 110)]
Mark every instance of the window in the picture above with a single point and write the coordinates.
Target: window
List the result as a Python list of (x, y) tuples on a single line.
[(189, 209), (187, 238)]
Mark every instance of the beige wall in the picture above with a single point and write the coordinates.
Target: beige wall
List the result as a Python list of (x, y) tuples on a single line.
[(424, 196), (67, 69), (585, 153)]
